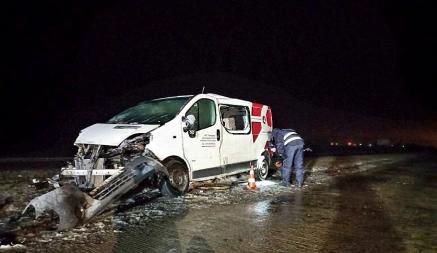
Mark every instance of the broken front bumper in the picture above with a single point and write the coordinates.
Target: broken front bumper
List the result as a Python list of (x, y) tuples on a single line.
[(74, 206)]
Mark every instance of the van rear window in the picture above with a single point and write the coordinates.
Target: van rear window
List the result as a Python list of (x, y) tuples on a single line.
[(235, 119)]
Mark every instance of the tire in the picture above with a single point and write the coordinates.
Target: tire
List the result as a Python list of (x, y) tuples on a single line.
[(178, 176), (168, 190), (263, 172)]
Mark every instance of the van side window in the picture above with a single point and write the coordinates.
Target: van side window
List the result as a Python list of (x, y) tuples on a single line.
[(204, 111), (235, 118)]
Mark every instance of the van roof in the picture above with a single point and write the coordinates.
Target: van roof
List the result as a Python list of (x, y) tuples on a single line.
[(227, 100), (220, 99)]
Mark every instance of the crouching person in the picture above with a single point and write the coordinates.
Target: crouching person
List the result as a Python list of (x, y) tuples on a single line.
[(290, 146)]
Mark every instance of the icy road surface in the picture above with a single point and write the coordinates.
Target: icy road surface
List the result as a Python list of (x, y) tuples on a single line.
[(377, 203)]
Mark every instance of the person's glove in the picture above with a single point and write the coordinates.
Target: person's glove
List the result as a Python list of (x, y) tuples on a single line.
[(278, 164)]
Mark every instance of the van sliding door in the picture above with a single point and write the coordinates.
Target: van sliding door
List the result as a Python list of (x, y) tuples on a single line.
[(236, 148)]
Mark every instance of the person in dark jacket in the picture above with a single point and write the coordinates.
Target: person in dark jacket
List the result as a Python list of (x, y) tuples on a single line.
[(289, 145)]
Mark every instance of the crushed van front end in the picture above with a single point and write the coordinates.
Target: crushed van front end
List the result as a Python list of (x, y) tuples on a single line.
[(99, 176)]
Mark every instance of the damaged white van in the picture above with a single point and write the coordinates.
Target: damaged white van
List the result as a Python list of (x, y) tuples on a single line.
[(168, 142), (195, 137)]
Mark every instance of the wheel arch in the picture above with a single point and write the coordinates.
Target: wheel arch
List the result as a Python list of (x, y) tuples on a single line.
[(267, 157)]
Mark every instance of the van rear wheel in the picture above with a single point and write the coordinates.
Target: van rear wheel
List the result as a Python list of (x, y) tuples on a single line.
[(263, 171), (178, 175)]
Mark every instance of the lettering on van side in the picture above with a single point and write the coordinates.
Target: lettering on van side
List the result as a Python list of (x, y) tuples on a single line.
[(208, 141)]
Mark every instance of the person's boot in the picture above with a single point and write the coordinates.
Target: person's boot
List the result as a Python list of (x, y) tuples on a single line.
[(285, 184)]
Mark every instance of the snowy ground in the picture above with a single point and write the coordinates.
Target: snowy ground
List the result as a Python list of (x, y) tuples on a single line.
[(224, 209)]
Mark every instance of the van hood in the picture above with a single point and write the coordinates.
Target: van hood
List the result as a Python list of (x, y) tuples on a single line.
[(110, 134)]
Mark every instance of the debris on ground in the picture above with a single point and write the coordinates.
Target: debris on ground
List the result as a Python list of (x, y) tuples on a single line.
[(139, 199), (5, 201), (7, 238), (38, 184), (13, 248), (75, 204)]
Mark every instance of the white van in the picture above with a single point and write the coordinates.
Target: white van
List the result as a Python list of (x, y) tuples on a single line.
[(196, 138)]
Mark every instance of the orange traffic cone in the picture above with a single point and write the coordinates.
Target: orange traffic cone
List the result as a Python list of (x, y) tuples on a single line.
[(251, 184)]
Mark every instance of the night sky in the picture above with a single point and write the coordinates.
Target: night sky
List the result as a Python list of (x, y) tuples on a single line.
[(333, 70)]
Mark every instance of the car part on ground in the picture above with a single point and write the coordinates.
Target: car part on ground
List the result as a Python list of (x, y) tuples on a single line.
[(101, 175)]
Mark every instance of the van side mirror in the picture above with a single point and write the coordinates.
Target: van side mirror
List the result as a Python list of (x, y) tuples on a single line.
[(188, 122)]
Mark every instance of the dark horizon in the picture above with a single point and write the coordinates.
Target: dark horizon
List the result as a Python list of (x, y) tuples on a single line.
[(333, 71)]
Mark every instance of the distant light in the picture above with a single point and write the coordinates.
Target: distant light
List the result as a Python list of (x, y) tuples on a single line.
[(403, 146), (332, 143), (370, 145), (361, 144), (349, 143), (336, 144)]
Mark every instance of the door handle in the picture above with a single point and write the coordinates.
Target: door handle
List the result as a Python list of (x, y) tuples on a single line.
[(218, 135)]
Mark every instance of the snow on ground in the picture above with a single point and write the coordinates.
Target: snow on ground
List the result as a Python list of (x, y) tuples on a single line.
[(227, 191)]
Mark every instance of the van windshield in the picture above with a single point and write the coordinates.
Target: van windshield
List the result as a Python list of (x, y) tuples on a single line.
[(159, 111)]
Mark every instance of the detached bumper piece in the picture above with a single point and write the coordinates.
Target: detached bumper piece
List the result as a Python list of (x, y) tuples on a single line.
[(75, 207)]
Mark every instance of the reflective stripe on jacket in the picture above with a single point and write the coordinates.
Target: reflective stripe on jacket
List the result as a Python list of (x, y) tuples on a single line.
[(291, 136), (282, 137)]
